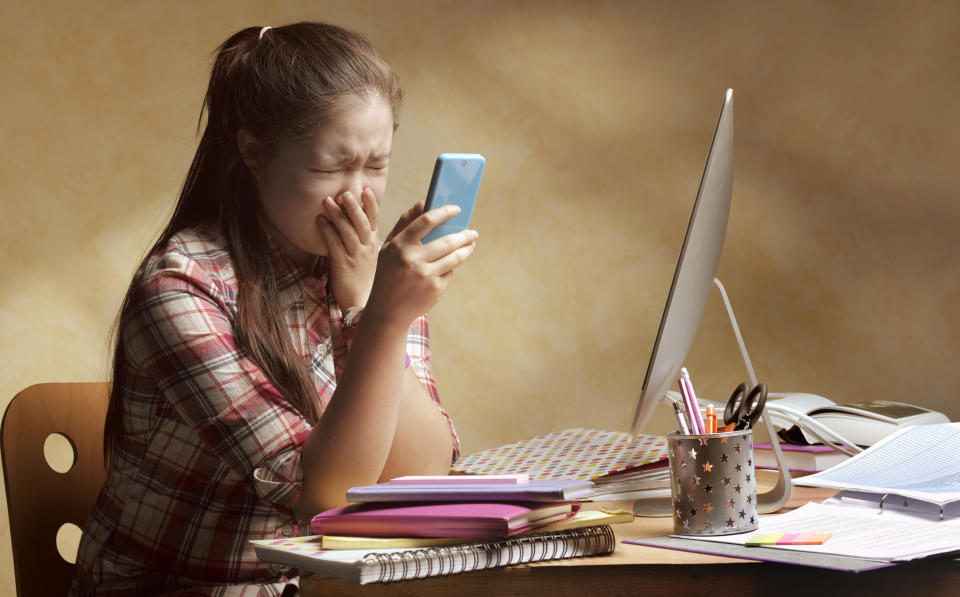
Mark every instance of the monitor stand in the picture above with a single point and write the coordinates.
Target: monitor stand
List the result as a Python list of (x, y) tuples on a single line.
[(767, 502)]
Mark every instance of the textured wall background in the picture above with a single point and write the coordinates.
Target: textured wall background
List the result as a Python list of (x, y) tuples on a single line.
[(841, 257)]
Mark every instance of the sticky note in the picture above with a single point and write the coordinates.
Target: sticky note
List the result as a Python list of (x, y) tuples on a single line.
[(810, 539), (764, 539), (788, 539)]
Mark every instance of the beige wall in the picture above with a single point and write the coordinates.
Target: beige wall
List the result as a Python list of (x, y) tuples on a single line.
[(841, 257)]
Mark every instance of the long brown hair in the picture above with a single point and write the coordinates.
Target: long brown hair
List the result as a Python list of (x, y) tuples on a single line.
[(280, 84)]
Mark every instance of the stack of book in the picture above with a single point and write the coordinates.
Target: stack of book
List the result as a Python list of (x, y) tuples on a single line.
[(415, 527), (799, 458)]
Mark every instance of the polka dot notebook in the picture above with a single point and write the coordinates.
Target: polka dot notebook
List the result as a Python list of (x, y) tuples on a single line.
[(584, 454)]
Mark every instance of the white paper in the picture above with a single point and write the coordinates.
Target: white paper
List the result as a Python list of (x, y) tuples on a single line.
[(860, 532), (921, 462)]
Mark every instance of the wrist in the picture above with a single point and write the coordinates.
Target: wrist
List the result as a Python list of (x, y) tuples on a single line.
[(385, 321)]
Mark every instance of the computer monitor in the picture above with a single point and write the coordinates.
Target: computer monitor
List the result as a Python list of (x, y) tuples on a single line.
[(696, 269)]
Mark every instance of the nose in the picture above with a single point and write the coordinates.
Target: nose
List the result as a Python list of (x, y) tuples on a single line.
[(354, 183)]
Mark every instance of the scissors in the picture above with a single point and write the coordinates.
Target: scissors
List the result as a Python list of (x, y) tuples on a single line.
[(745, 405)]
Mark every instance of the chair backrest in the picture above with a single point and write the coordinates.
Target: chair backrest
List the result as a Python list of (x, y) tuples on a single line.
[(42, 502)]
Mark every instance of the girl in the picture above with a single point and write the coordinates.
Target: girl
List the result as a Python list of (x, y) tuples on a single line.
[(270, 354)]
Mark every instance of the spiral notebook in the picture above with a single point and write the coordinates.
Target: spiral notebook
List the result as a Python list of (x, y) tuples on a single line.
[(388, 565)]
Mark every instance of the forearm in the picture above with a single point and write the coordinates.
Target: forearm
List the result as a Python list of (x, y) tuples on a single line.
[(370, 430), (350, 444), (422, 444)]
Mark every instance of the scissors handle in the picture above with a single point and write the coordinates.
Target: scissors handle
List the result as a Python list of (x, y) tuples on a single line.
[(757, 400), (731, 412), (745, 405)]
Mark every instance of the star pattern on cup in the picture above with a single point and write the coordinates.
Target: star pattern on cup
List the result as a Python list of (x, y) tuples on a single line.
[(711, 478)]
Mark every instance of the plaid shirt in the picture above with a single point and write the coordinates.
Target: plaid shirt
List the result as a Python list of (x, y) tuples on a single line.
[(211, 452)]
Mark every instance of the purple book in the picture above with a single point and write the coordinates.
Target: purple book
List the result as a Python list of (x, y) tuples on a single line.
[(474, 520), (801, 458), (555, 490)]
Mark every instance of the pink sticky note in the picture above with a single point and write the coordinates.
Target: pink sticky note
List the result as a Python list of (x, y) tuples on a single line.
[(807, 538), (787, 539)]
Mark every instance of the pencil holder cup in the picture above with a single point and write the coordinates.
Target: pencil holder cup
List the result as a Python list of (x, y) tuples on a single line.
[(713, 483)]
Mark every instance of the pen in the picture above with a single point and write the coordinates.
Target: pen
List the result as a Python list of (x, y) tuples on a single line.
[(711, 419), (691, 408), (681, 418), (692, 397)]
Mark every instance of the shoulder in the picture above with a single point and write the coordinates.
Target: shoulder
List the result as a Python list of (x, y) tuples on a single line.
[(193, 259)]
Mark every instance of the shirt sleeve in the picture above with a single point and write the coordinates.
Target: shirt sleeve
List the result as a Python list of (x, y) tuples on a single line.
[(418, 349), (181, 336)]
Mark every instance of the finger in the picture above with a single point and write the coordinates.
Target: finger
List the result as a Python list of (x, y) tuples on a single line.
[(408, 216), (335, 247), (437, 249), (430, 220), (342, 224), (371, 207), (451, 261), (358, 217)]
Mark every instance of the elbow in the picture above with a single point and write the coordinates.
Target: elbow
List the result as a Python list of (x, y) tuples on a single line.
[(312, 503)]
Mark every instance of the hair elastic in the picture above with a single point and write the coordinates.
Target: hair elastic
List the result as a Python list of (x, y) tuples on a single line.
[(262, 31)]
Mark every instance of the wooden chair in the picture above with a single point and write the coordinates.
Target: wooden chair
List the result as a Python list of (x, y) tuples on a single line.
[(41, 501)]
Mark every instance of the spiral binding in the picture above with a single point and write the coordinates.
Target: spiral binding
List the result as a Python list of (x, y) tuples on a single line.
[(454, 559)]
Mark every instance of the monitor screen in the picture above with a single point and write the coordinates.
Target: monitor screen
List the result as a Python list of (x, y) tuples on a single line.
[(696, 269)]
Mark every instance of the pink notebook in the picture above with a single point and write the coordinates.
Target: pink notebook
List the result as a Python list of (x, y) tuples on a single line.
[(474, 520)]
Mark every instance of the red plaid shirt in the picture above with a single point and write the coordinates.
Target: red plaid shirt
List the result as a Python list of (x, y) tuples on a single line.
[(211, 452)]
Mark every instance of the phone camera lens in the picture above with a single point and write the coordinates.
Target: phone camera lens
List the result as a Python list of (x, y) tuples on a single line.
[(463, 163)]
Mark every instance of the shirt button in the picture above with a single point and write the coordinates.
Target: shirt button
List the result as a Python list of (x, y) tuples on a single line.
[(286, 530)]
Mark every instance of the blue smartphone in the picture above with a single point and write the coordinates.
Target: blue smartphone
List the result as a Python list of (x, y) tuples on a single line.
[(456, 181)]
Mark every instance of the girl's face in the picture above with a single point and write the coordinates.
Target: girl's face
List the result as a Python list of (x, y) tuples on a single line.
[(350, 153)]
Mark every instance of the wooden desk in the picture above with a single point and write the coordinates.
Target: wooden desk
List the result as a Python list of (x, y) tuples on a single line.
[(641, 571)]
